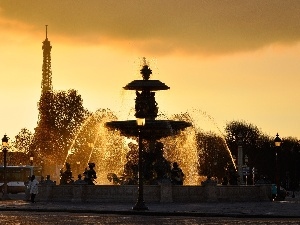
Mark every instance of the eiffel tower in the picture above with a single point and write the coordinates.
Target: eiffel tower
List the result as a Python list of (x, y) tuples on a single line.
[(47, 73)]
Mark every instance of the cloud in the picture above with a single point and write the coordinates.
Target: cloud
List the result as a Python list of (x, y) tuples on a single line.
[(192, 26)]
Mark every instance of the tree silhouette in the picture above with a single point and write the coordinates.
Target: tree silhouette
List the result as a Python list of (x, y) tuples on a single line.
[(23, 141), (213, 154), (60, 116)]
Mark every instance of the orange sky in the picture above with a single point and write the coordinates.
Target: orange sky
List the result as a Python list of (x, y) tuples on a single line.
[(233, 60)]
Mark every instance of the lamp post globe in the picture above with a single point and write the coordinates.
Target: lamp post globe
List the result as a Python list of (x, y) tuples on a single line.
[(4, 150), (78, 167), (31, 160), (277, 140), (140, 204)]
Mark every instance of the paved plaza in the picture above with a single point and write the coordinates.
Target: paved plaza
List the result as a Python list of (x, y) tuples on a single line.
[(290, 208), (65, 218)]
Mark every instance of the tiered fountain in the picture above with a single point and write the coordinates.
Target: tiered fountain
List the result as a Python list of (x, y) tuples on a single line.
[(146, 107)]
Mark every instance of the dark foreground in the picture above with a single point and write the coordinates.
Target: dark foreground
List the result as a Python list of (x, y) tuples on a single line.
[(18, 211), (34, 218)]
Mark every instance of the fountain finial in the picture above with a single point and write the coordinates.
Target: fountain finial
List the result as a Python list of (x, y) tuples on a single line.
[(145, 71)]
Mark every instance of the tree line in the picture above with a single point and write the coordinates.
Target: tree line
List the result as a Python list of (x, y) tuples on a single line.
[(259, 152)]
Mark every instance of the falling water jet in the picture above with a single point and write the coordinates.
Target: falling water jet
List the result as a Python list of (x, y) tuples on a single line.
[(213, 122), (94, 131), (71, 150)]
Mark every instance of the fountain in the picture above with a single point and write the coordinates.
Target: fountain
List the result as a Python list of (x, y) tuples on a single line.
[(115, 152), (154, 129), (164, 141)]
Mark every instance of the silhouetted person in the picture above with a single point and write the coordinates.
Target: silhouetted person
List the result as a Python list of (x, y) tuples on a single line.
[(27, 189), (33, 188)]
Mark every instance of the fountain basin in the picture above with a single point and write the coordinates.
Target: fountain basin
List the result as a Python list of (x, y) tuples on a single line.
[(154, 193), (153, 129), (150, 85)]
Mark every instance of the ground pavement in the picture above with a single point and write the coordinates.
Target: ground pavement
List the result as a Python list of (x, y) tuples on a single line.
[(290, 208)]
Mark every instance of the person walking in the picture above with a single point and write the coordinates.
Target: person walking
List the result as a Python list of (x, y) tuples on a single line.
[(27, 191), (33, 188)]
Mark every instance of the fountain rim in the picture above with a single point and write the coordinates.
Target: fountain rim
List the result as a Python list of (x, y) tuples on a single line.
[(153, 128), (141, 85)]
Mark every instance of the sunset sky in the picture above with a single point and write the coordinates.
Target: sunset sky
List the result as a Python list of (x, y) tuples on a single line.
[(224, 60)]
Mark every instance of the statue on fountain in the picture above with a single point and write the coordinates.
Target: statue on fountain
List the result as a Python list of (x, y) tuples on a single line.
[(177, 175), (156, 168), (66, 177), (130, 173), (90, 174), (145, 104), (233, 175)]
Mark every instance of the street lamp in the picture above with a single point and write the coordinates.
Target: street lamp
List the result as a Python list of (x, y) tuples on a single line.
[(42, 167), (277, 142), (240, 155), (246, 169), (215, 167), (4, 150), (140, 205), (78, 166), (246, 158)]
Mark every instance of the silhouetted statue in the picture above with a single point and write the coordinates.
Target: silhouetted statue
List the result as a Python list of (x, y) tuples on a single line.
[(145, 104), (209, 181), (90, 174), (225, 181), (177, 176), (42, 180), (155, 167), (233, 175), (48, 181), (158, 167), (131, 169), (66, 177), (79, 180)]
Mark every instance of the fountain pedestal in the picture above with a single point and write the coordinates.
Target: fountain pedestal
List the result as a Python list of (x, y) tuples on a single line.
[(210, 190), (154, 193), (78, 191), (166, 192)]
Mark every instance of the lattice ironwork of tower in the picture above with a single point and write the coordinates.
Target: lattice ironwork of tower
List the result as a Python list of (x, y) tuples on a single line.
[(47, 72)]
